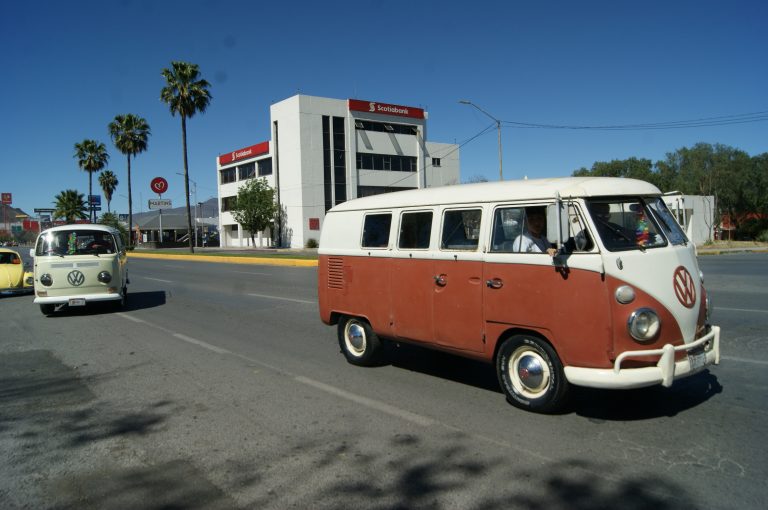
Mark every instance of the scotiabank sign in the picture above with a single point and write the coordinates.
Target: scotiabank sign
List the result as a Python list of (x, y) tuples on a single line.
[(246, 153), (385, 109)]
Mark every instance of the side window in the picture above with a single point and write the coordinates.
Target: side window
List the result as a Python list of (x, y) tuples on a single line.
[(415, 229), (507, 226), (376, 230), (461, 230)]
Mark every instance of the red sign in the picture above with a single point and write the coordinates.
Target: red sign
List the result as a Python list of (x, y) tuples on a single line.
[(7, 198), (159, 185), (246, 153), (385, 109), (314, 224)]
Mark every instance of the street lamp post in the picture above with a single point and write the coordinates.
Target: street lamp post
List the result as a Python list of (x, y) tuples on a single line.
[(498, 129), (194, 193)]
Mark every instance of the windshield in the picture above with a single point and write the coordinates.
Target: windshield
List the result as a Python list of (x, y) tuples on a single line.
[(75, 242), (667, 222), (625, 224)]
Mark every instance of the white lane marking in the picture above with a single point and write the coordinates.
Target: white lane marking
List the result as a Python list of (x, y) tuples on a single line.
[(740, 310), (204, 345), (744, 360), (156, 279), (367, 402), (266, 296), (130, 318)]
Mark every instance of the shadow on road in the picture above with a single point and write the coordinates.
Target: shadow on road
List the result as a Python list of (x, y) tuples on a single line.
[(136, 301), (614, 405)]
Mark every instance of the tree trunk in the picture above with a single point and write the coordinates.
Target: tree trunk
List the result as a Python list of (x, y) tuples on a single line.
[(131, 241), (186, 182), (90, 193)]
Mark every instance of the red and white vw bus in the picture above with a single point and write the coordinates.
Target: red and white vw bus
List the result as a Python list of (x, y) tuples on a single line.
[(607, 294)]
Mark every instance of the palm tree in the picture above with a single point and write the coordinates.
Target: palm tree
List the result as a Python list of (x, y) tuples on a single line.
[(92, 157), (108, 182), (129, 134), (186, 94), (70, 205)]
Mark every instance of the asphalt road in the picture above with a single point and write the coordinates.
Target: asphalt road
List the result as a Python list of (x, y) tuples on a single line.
[(218, 387)]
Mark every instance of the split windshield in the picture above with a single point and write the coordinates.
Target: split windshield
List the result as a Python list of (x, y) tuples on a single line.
[(627, 224), (76, 242)]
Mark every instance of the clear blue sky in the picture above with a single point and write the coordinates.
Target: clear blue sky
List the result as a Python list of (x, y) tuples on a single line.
[(70, 66)]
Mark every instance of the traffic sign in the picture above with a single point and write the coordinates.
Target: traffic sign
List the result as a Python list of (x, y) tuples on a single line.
[(159, 203), (94, 199), (7, 198), (159, 185)]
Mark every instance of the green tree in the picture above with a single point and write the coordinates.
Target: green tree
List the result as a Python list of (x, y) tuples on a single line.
[(111, 219), (92, 157), (70, 205), (108, 182), (130, 134), (255, 208), (186, 94)]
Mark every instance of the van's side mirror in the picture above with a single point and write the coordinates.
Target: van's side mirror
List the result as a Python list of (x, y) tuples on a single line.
[(557, 218), (32, 252)]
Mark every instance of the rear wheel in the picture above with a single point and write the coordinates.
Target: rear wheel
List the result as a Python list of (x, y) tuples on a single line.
[(531, 375), (47, 309), (359, 344)]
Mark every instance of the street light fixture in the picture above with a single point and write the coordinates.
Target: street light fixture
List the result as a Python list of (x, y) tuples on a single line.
[(498, 129)]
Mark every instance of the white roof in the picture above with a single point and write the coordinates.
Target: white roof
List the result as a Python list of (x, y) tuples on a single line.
[(82, 226), (567, 187)]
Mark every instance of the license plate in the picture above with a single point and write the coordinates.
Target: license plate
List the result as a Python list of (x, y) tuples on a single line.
[(697, 359), (76, 302)]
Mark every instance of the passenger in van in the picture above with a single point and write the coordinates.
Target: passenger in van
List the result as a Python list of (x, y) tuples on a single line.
[(533, 238)]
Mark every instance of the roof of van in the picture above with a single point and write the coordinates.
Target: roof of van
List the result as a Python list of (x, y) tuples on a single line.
[(82, 226), (503, 191)]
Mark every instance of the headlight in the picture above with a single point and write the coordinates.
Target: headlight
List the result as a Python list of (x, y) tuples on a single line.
[(46, 280), (701, 275), (643, 324), (104, 277)]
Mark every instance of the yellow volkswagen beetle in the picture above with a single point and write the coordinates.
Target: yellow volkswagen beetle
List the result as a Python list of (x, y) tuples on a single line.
[(14, 277)]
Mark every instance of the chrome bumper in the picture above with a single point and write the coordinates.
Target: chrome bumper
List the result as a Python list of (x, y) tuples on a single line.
[(665, 372)]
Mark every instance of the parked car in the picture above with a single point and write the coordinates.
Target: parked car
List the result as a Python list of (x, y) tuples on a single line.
[(15, 277), (79, 264)]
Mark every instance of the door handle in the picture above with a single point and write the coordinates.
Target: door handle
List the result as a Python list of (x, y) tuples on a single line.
[(495, 283), (440, 280)]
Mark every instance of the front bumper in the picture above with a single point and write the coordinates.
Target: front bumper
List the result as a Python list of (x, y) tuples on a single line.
[(666, 371), (89, 298)]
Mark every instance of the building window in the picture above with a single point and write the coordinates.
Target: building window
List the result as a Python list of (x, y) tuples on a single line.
[(367, 191), (435, 161), (265, 167), (327, 180), (386, 127), (389, 162), (247, 171), (228, 175), (228, 203), (339, 161)]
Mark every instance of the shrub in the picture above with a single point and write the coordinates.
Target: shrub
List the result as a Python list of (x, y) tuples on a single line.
[(312, 243)]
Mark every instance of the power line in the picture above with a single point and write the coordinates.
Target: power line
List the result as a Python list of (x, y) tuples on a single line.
[(723, 120)]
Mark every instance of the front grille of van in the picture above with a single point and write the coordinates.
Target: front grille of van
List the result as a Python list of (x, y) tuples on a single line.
[(335, 273)]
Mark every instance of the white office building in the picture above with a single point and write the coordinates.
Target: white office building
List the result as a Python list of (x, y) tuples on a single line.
[(324, 152)]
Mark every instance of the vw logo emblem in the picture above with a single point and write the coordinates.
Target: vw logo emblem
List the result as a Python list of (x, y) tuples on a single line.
[(685, 288), (75, 278)]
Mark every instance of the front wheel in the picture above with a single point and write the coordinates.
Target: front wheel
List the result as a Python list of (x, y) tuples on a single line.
[(359, 344), (531, 375)]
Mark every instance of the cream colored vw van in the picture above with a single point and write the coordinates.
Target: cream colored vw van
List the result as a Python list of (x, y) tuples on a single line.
[(79, 264)]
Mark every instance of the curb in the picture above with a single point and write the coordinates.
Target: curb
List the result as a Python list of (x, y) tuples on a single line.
[(263, 261)]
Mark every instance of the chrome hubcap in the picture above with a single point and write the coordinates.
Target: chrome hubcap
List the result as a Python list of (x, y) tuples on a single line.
[(529, 373), (355, 338)]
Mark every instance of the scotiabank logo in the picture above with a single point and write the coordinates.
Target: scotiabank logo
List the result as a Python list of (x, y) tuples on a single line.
[(385, 109)]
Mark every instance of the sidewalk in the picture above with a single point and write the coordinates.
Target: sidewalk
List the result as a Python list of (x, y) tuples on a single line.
[(245, 255)]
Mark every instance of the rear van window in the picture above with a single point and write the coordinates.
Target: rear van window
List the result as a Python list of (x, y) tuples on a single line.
[(376, 230), (415, 230)]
